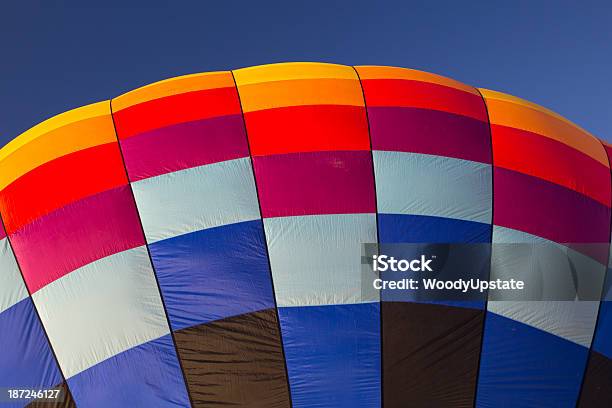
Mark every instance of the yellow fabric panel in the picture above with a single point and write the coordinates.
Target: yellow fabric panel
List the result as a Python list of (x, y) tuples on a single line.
[(380, 72), (174, 86), (292, 70), (299, 92), (514, 112), (75, 130)]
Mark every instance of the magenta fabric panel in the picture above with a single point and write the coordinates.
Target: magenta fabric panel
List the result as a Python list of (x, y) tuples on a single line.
[(338, 182), (77, 234), (184, 145), (541, 208)]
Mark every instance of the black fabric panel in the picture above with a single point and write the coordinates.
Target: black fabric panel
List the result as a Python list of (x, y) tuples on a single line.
[(597, 386), (67, 403), (236, 361), (430, 354)]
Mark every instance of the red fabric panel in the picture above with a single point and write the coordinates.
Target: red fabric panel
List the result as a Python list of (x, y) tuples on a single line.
[(175, 109), (60, 182), (542, 157), (307, 129), (417, 94)]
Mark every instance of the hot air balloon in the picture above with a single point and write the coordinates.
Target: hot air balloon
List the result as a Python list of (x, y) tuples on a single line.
[(197, 242)]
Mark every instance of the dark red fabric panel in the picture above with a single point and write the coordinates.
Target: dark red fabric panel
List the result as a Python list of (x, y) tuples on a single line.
[(315, 183), (427, 131), (541, 208)]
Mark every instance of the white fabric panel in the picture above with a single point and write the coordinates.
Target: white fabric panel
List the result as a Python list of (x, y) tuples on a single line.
[(12, 288), (102, 309), (197, 198), (316, 259), (571, 320), (423, 184)]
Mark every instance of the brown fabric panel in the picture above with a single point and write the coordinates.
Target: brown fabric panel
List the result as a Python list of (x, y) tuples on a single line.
[(430, 354), (237, 361), (597, 386), (67, 403)]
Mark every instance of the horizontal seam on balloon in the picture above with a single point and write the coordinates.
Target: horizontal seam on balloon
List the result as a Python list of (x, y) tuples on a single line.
[(134, 179), (420, 108), (587, 196), (307, 105), (63, 207), (24, 297), (161, 97), (559, 187), (480, 165), (182, 234), (564, 142), (116, 355), (534, 327), (129, 248), (14, 179), (38, 136), (229, 316), (537, 239)]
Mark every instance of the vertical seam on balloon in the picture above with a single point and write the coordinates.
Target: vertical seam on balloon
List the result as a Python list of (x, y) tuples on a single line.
[(161, 295), (263, 229), (486, 305), (603, 286), (42, 325), (380, 302)]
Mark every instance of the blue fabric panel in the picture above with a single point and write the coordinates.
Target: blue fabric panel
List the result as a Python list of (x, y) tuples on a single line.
[(214, 273), (522, 366), (333, 355), (144, 376), (426, 229), (26, 360), (602, 343), (402, 228)]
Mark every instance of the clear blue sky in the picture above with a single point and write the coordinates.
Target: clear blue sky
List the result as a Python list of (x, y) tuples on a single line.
[(59, 55)]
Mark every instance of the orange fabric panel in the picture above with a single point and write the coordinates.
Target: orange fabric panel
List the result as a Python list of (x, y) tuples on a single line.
[(63, 134), (278, 94), (510, 111), (174, 86)]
